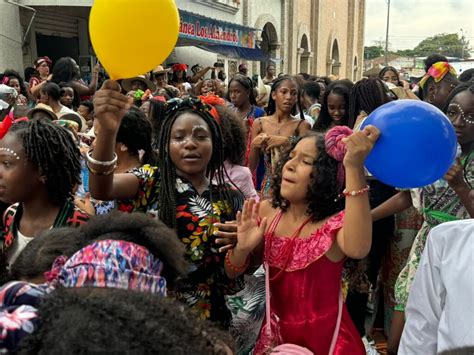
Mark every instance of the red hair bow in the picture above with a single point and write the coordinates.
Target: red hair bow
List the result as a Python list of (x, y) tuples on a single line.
[(179, 67), (213, 100), (5, 125)]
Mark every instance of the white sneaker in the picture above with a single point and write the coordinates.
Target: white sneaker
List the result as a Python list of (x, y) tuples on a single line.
[(369, 346)]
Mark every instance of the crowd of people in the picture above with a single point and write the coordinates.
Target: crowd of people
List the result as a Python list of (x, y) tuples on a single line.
[(181, 212)]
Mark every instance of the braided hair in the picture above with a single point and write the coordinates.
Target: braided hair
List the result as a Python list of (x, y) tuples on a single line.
[(366, 95), (469, 86), (247, 84), (215, 169), (271, 108), (135, 132), (51, 150)]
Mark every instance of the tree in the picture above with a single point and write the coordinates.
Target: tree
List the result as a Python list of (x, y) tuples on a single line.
[(372, 52), (448, 44)]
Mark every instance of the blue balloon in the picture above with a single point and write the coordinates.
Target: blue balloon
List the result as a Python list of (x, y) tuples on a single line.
[(417, 145)]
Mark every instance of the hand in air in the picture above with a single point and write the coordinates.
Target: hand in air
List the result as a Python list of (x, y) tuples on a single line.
[(359, 144), (110, 105), (249, 232)]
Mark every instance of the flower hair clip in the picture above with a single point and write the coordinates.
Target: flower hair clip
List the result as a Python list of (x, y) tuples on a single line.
[(179, 67)]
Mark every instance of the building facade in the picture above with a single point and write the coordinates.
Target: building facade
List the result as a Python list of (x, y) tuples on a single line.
[(319, 37)]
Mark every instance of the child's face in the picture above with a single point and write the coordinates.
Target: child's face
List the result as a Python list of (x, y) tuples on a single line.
[(18, 178), (84, 112), (297, 170), (67, 97), (460, 111), (286, 95), (336, 107), (207, 87), (190, 146), (14, 83), (238, 94)]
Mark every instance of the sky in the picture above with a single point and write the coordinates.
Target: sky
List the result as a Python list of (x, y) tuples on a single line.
[(411, 21)]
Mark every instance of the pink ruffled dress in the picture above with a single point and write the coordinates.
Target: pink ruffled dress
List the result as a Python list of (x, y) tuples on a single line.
[(305, 292)]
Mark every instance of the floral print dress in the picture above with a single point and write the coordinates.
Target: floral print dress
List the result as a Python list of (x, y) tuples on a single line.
[(440, 204), (207, 283)]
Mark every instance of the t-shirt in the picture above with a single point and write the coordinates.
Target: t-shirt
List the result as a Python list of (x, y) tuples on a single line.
[(18, 245)]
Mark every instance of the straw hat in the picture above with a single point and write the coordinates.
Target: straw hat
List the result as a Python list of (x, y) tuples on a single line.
[(127, 83), (42, 108), (160, 70)]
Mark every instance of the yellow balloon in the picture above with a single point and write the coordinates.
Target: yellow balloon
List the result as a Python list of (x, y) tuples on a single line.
[(131, 37)]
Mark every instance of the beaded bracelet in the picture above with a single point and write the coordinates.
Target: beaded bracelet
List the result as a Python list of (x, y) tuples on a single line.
[(101, 173), (356, 193), (236, 268), (101, 163)]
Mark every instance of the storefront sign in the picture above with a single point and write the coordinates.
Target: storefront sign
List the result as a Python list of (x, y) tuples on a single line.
[(199, 28)]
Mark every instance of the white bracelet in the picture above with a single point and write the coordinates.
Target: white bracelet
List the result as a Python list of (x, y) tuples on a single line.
[(101, 163)]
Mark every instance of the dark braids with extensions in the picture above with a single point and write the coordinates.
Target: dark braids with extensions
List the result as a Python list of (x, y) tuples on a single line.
[(366, 95), (51, 150), (215, 168)]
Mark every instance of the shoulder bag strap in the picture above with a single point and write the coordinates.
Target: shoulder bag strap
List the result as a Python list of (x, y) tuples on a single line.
[(338, 325)]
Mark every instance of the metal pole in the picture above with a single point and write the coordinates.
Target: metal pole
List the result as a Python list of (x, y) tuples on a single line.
[(462, 44), (386, 34)]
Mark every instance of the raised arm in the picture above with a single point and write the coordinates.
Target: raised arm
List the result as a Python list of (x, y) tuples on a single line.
[(85, 90), (396, 204), (109, 108), (355, 237), (196, 77), (255, 145)]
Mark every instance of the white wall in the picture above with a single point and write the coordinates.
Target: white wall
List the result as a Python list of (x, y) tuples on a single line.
[(10, 38)]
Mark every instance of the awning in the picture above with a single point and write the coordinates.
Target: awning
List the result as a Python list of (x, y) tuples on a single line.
[(255, 54)]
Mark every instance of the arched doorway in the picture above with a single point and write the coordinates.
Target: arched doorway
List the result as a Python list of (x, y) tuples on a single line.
[(355, 69), (269, 44), (304, 55), (335, 63)]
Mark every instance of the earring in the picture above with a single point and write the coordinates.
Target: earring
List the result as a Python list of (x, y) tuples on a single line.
[(123, 148), (431, 98)]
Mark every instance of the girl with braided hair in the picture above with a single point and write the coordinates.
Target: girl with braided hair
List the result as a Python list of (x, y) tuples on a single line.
[(187, 191), (39, 170), (272, 133), (308, 239)]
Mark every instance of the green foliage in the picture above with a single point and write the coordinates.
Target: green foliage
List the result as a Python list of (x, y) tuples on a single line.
[(448, 44), (372, 52)]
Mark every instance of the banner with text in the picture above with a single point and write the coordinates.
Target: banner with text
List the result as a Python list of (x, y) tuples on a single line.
[(204, 29)]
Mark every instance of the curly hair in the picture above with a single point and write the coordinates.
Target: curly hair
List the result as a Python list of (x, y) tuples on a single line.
[(135, 132), (233, 135), (102, 320), (148, 232), (12, 74), (216, 87), (323, 191), (38, 256), (161, 241), (51, 150)]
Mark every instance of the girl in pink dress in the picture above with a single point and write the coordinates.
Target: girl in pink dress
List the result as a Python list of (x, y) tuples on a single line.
[(307, 239)]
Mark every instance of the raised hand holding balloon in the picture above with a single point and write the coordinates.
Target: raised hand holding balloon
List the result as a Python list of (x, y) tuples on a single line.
[(417, 145), (125, 53)]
